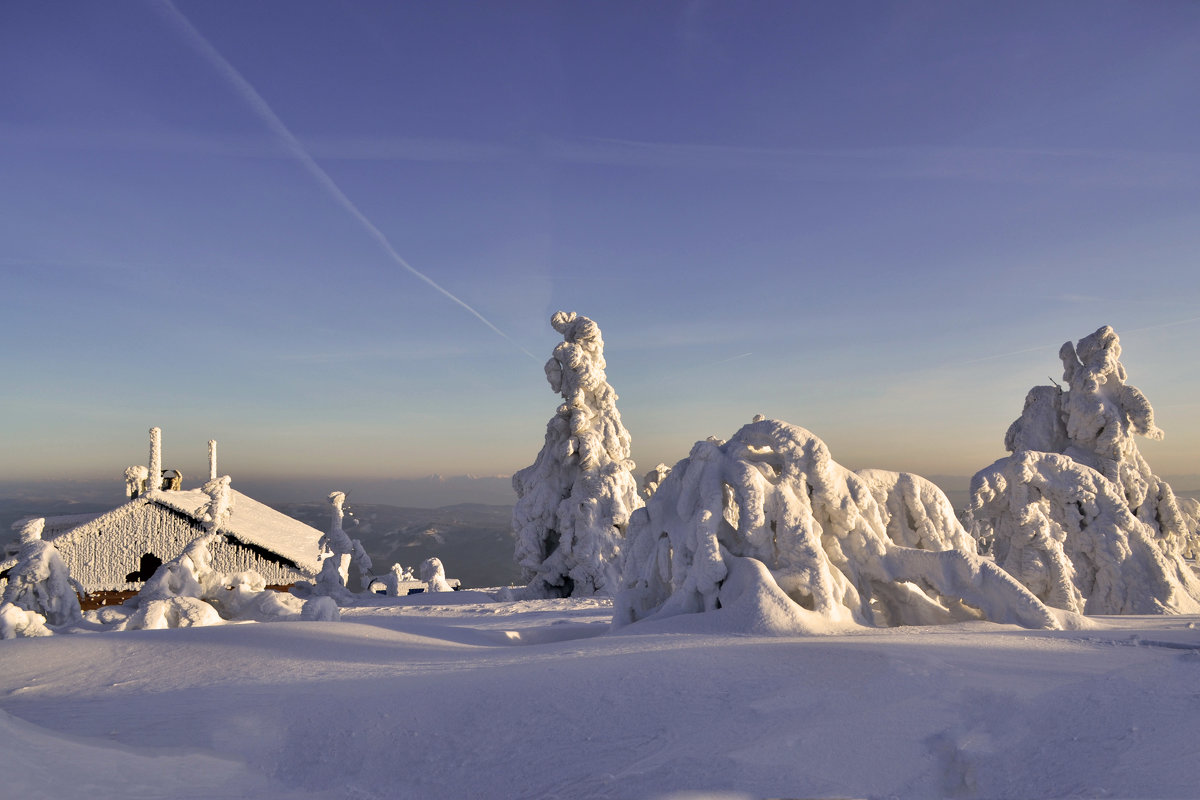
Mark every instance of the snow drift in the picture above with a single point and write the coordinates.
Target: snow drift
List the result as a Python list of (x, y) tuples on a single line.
[(768, 531), (574, 501), (1075, 513)]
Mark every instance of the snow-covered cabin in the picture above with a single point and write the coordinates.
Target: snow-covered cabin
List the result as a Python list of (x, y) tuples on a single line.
[(118, 550)]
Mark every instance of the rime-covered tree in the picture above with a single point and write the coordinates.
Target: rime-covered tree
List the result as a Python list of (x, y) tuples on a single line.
[(40, 581), (339, 554), (1075, 513), (574, 501), (769, 531)]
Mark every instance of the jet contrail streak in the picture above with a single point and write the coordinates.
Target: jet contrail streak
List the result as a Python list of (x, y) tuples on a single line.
[(272, 120)]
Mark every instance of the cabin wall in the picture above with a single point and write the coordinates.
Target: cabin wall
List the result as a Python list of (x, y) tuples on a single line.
[(104, 554)]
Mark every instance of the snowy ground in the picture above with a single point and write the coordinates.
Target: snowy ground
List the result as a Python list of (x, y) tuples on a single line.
[(476, 699)]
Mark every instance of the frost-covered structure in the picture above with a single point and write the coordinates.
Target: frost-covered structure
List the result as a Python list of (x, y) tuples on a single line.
[(1075, 513), (189, 592), (574, 502), (40, 581), (118, 551), (772, 533)]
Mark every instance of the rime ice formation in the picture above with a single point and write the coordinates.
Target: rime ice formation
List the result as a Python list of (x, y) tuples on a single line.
[(188, 592), (1075, 512), (574, 501), (154, 472), (339, 553), (651, 481), (434, 576), (40, 581), (220, 503), (768, 530), (16, 622)]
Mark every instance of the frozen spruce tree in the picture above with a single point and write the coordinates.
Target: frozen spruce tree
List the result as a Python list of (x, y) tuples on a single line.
[(574, 502), (1075, 513), (771, 535), (339, 554), (39, 582)]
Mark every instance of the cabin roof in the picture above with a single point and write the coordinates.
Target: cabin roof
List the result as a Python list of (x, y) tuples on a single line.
[(249, 522)]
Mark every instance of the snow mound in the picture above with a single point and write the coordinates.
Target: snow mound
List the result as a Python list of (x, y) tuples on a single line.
[(772, 532), (574, 501), (1075, 513), (18, 622)]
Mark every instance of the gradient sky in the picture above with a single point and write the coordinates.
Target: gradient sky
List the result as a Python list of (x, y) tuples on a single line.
[(331, 235)]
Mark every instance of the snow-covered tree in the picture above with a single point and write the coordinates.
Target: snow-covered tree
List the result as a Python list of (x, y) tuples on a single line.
[(574, 501), (1075, 513), (339, 554), (651, 481), (40, 581), (772, 533)]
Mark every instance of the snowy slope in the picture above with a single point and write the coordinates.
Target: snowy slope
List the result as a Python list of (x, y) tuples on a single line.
[(476, 699)]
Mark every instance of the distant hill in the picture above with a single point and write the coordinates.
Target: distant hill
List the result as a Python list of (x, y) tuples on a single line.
[(474, 541)]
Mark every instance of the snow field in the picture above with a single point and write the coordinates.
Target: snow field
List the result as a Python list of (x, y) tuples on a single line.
[(462, 697)]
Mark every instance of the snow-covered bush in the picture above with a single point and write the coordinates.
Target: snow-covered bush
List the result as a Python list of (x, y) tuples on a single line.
[(574, 501), (1075, 513), (389, 583), (187, 591), (40, 582), (17, 622), (771, 532), (434, 576)]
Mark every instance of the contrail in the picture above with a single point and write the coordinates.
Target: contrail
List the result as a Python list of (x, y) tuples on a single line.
[(243, 87)]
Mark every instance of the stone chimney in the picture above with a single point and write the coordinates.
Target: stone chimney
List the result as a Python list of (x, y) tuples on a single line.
[(212, 459)]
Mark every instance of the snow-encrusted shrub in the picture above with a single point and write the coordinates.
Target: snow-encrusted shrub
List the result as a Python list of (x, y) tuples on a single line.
[(574, 501), (772, 532), (187, 591), (40, 581), (434, 576), (17, 622), (1075, 513)]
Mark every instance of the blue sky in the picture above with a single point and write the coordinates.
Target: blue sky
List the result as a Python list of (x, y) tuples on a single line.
[(875, 220)]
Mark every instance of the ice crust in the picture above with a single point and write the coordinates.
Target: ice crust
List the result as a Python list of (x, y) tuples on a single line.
[(574, 501), (1075, 513), (767, 530)]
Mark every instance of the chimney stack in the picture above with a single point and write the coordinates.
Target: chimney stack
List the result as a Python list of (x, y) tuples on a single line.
[(154, 479), (212, 459)]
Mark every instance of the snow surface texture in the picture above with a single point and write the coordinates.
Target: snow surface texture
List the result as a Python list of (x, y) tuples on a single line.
[(1075, 513), (769, 532), (574, 502), (327, 711), (40, 585), (188, 592)]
